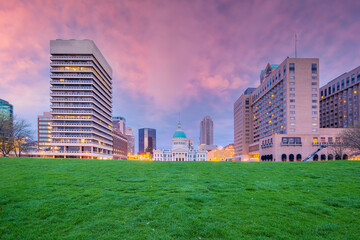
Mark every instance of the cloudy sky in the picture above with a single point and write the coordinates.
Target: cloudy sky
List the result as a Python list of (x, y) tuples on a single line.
[(193, 57)]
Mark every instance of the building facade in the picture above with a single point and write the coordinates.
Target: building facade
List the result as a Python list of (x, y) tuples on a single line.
[(279, 120), (181, 150), (120, 145), (44, 131), (222, 153), (339, 101), (147, 140), (81, 100), (131, 140), (6, 108), (207, 131), (119, 123)]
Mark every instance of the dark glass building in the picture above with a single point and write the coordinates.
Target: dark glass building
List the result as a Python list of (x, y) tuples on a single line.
[(147, 140)]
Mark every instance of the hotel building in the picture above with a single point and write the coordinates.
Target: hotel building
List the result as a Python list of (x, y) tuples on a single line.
[(279, 120), (44, 131), (81, 100), (339, 101)]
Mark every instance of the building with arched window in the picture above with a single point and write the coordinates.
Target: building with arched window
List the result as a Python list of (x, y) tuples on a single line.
[(181, 150)]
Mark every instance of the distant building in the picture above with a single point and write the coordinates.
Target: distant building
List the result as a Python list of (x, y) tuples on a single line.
[(147, 140), (181, 150), (81, 100), (222, 154), (44, 131), (119, 123), (339, 101), (207, 131), (6, 108), (131, 140), (120, 144)]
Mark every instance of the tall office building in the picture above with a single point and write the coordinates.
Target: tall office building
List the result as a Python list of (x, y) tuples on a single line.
[(207, 131), (6, 108), (339, 101), (119, 123), (279, 120), (81, 100), (44, 131), (147, 140), (131, 140)]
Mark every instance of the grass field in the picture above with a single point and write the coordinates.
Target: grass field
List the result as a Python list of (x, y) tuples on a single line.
[(91, 199)]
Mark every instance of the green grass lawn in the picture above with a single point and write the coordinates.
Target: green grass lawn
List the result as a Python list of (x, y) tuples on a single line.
[(92, 199)]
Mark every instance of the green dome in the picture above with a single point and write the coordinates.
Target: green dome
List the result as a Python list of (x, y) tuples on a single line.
[(179, 133)]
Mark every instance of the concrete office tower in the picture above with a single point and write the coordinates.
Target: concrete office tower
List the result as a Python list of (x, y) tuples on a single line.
[(243, 124), (44, 131), (6, 108), (207, 131), (147, 140), (131, 140), (81, 100), (279, 120), (120, 124), (339, 101)]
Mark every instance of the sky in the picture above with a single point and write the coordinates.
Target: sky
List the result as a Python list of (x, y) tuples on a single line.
[(187, 58)]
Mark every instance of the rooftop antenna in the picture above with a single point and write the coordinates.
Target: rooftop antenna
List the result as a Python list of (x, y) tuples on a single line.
[(296, 40)]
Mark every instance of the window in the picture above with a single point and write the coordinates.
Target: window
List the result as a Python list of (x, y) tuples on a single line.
[(292, 67), (292, 94), (314, 101), (292, 89), (292, 124), (314, 68), (342, 84), (291, 77), (338, 86), (314, 77), (292, 106), (314, 113), (352, 78), (291, 83), (347, 81), (314, 83), (292, 118), (292, 112), (284, 70), (292, 100), (314, 130), (292, 129), (313, 106), (314, 118), (314, 95), (315, 89)]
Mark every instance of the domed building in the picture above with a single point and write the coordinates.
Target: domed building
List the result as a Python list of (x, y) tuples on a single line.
[(181, 149)]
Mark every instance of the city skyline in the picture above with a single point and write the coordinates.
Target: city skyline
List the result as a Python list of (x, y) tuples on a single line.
[(174, 56)]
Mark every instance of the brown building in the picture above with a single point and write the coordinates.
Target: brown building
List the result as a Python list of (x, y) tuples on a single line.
[(120, 145), (44, 131), (339, 101)]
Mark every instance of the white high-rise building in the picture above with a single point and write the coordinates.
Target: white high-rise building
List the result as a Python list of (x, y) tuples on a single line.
[(81, 100)]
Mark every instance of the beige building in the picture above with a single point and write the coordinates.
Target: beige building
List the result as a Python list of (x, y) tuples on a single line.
[(339, 101), (279, 120), (81, 101)]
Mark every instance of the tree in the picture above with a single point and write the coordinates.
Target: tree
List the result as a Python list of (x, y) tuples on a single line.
[(22, 136), (6, 134), (351, 139), (15, 135)]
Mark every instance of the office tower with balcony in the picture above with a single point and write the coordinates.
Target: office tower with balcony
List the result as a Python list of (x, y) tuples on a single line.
[(44, 131), (147, 140), (81, 100)]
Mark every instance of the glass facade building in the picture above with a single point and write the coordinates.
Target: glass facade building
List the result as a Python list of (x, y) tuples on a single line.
[(6, 108), (147, 140)]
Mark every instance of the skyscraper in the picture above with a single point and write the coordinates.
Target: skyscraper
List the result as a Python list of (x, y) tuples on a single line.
[(207, 131), (81, 91), (6, 108), (131, 140), (147, 140), (44, 131), (120, 124)]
